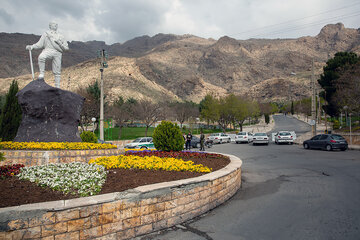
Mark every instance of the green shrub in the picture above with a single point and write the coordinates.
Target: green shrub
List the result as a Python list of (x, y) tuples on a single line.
[(2, 157), (167, 137), (336, 124), (87, 136)]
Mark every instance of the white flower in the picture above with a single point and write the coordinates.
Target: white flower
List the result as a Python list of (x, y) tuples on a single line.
[(74, 178)]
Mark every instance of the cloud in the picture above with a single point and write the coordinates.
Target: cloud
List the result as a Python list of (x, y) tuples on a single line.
[(121, 20), (5, 17)]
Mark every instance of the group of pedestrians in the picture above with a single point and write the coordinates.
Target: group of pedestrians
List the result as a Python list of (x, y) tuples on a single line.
[(188, 138)]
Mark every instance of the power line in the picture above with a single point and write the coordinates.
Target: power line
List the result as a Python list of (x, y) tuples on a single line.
[(320, 22), (299, 19)]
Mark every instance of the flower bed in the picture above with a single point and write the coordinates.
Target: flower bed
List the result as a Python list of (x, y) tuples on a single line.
[(178, 154), (10, 170), (123, 214), (54, 146), (149, 163), (70, 178)]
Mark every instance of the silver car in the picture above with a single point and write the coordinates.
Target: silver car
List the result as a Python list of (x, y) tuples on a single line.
[(284, 137), (219, 138), (260, 138), (244, 137)]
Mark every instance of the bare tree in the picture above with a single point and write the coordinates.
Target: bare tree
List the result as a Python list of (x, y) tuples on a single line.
[(184, 111), (348, 89), (119, 111), (148, 113), (90, 109)]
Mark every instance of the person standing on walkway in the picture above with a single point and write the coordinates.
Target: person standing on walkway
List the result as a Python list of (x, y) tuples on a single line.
[(188, 141), (202, 141)]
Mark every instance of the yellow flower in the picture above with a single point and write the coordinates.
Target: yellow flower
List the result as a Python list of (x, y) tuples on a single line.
[(54, 146), (148, 162)]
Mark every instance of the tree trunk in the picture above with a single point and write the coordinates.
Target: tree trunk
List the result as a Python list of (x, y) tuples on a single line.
[(120, 130), (146, 130)]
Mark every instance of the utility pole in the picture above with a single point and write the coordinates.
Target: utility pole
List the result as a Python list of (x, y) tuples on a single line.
[(103, 56), (350, 114), (68, 86), (313, 99), (319, 106)]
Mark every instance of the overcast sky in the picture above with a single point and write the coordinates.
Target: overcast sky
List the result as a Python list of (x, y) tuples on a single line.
[(121, 20)]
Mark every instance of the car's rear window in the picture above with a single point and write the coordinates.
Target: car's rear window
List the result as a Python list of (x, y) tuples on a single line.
[(260, 134), (241, 133), (284, 134), (337, 137)]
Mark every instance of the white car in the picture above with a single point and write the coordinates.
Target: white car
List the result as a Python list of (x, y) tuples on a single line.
[(284, 137), (242, 137), (219, 138), (260, 138), (144, 142)]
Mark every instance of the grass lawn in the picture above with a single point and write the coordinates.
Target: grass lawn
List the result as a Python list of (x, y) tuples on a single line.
[(126, 133)]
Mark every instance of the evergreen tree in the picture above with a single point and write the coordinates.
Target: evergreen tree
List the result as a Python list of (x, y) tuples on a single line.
[(332, 72), (94, 90), (11, 114)]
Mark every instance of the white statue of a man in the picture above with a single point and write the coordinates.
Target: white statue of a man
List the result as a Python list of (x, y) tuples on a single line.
[(53, 44)]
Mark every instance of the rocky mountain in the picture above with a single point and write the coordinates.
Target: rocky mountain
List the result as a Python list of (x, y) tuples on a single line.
[(188, 67), (15, 59)]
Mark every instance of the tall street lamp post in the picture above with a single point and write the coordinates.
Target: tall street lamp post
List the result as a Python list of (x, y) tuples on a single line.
[(103, 56), (350, 129), (346, 117)]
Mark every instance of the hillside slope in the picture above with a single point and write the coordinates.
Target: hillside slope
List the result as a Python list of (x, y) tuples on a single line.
[(188, 67)]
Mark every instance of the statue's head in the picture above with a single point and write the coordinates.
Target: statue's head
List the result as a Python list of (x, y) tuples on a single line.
[(53, 26)]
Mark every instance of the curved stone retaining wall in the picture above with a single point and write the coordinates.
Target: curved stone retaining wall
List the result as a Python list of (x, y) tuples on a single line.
[(39, 157), (122, 215)]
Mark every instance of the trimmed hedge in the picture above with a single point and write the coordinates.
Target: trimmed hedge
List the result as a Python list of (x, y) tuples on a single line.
[(168, 137)]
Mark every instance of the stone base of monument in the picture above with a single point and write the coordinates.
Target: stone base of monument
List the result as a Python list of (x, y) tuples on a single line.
[(48, 114)]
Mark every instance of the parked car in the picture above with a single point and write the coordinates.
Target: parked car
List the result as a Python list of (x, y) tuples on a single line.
[(219, 138), (260, 138), (143, 142), (232, 136), (242, 137), (327, 142), (284, 137), (195, 142)]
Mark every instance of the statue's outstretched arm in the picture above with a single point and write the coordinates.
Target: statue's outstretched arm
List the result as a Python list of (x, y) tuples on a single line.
[(40, 44)]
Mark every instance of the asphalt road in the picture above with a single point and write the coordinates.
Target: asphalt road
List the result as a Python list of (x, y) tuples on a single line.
[(287, 193), (287, 123)]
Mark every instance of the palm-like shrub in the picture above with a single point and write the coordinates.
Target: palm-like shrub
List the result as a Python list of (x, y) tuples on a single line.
[(167, 137)]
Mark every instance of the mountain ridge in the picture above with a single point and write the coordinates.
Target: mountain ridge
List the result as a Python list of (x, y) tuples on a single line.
[(187, 67)]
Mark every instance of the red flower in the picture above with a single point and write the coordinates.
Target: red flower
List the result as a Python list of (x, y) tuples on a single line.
[(10, 170)]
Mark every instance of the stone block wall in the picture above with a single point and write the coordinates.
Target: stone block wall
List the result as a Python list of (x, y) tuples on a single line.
[(122, 215), (38, 157)]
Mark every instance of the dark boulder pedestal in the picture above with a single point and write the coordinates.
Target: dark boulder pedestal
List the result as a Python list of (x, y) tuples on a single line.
[(49, 114)]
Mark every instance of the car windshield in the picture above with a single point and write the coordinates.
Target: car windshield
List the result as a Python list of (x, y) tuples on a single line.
[(137, 140), (337, 137), (260, 134), (215, 134), (284, 134), (242, 133)]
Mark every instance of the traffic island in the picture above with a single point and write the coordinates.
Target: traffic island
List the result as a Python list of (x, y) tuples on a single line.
[(123, 215)]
